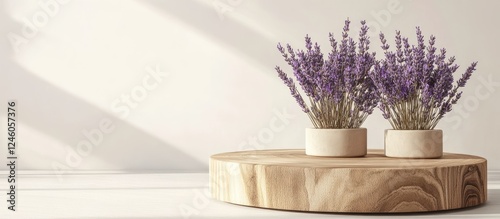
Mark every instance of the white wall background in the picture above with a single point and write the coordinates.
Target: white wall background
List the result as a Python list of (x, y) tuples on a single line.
[(221, 93)]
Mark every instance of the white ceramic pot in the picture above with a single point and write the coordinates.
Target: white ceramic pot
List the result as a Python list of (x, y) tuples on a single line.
[(414, 143), (336, 142)]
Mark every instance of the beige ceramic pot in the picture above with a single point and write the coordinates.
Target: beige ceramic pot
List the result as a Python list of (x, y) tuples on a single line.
[(414, 143), (336, 142)]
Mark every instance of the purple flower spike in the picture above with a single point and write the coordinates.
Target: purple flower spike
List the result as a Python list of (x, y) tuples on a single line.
[(415, 84), (340, 90)]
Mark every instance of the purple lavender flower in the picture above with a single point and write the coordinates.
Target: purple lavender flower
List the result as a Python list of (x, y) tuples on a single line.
[(293, 89), (339, 88), (415, 84)]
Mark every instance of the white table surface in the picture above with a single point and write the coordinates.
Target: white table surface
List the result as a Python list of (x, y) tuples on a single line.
[(163, 195)]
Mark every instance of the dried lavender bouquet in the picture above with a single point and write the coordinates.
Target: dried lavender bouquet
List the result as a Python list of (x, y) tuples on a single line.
[(415, 84), (340, 92)]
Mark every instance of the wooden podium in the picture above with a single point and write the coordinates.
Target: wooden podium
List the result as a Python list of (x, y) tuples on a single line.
[(291, 180)]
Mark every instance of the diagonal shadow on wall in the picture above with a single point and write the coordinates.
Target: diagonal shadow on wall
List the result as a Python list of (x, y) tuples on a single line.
[(61, 115), (229, 32)]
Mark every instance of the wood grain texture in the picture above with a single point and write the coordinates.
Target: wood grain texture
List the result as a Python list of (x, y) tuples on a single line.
[(291, 180)]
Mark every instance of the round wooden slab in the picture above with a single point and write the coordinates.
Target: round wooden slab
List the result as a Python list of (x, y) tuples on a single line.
[(291, 180)]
